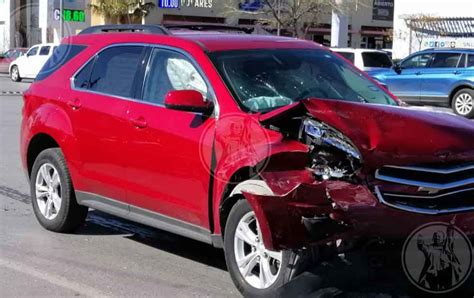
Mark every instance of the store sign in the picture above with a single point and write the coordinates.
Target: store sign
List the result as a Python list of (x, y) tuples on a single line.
[(70, 15), (251, 5), (448, 43), (168, 3), (185, 3), (383, 10)]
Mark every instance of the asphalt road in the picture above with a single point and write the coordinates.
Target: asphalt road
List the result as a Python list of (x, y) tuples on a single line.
[(114, 257)]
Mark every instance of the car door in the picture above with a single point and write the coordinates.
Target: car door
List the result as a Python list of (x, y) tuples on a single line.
[(98, 106), (440, 77), (26, 65), (166, 171), (406, 83)]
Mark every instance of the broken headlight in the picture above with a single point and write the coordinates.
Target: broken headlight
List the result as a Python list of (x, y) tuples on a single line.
[(332, 154)]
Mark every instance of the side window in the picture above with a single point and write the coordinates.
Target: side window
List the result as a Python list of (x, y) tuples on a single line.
[(169, 70), (116, 69), (32, 51), (81, 80), (60, 56), (470, 60), (44, 50), (418, 61), (445, 60)]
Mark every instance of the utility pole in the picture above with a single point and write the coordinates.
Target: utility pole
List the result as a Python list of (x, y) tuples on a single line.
[(279, 17), (61, 19)]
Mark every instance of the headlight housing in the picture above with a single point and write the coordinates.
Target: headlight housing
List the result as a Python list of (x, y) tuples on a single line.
[(333, 154)]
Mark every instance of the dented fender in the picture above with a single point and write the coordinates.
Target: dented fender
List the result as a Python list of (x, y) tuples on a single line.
[(298, 201)]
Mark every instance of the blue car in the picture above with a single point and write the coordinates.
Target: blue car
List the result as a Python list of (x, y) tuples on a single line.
[(439, 77)]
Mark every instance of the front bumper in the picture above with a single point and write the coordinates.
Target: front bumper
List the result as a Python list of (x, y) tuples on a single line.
[(302, 213)]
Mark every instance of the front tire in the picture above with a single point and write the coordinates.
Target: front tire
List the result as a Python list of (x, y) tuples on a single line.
[(254, 270), (15, 74), (52, 193), (463, 103)]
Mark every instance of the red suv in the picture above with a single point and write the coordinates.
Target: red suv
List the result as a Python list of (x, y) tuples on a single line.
[(265, 146)]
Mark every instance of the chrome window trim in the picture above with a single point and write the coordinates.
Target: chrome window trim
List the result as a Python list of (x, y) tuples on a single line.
[(145, 45), (420, 210)]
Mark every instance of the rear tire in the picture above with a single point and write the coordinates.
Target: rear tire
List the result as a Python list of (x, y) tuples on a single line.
[(463, 103), (52, 193), (280, 267), (15, 74)]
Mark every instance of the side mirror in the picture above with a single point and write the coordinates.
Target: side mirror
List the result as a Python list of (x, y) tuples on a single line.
[(2, 56), (188, 100), (397, 68)]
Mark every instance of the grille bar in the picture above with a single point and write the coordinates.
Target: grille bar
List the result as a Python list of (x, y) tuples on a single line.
[(441, 190)]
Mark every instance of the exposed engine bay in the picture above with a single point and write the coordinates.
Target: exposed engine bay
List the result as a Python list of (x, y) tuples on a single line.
[(332, 154)]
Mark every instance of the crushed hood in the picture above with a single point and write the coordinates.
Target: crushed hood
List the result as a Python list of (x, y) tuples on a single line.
[(389, 134)]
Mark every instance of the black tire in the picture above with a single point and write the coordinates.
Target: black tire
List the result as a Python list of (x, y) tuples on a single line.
[(463, 92), (14, 70), (290, 266), (70, 215)]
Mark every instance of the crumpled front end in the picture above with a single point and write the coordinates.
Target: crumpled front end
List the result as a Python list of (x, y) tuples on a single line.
[(365, 179), (299, 215)]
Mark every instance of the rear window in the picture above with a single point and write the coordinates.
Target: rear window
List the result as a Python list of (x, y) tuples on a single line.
[(375, 59), (349, 56), (61, 55), (44, 50), (470, 61)]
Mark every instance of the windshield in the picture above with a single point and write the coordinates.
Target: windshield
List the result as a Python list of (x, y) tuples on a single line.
[(262, 80), (375, 59)]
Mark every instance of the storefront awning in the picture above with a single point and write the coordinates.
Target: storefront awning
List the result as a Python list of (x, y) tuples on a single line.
[(435, 26)]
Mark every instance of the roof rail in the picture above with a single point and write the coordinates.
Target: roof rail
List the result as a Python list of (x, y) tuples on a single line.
[(153, 29), (208, 27)]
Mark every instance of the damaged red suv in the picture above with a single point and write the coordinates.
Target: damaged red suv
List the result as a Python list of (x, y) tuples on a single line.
[(264, 146)]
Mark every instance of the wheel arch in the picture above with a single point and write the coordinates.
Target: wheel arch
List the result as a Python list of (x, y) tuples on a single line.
[(37, 144), (248, 179), (456, 89)]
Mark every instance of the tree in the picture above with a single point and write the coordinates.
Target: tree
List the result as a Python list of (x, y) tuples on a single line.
[(296, 16), (121, 11)]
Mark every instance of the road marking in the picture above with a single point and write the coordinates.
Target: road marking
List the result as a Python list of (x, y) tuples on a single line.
[(6, 93), (53, 279)]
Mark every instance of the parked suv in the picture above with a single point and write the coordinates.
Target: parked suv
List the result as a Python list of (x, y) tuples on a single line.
[(28, 65), (441, 77), (266, 146), (368, 60)]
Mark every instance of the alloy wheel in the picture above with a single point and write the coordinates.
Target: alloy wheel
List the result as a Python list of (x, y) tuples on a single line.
[(259, 266), (14, 73), (464, 104), (48, 191)]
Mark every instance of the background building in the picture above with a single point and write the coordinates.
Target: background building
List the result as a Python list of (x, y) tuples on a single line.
[(24, 23), (27, 22), (440, 24), (370, 23)]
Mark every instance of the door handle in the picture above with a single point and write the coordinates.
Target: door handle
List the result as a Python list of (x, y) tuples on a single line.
[(75, 104), (139, 122), (418, 73), (456, 72)]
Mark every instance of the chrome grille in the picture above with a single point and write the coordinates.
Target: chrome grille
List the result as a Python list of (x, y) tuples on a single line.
[(437, 190)]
